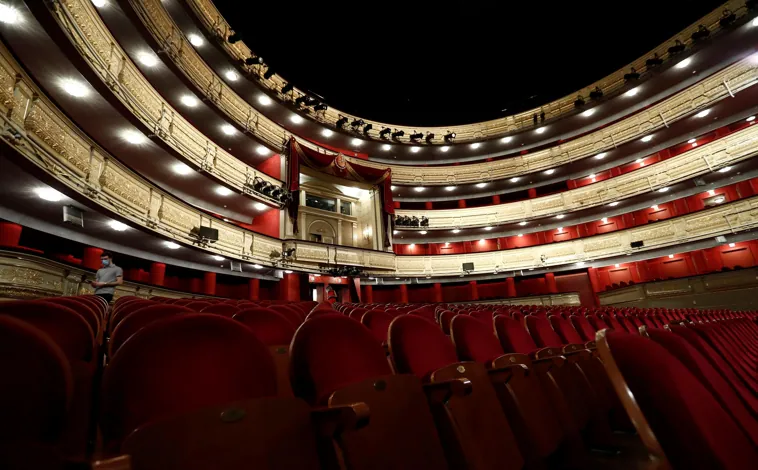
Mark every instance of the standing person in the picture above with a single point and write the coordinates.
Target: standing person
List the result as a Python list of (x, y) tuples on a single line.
[(108, 277)]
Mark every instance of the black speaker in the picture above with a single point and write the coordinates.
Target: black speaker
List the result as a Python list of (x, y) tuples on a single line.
[(637, 244), (468, 266), (208, 233)]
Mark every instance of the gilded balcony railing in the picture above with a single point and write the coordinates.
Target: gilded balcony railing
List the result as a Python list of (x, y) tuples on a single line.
[(214, 22)]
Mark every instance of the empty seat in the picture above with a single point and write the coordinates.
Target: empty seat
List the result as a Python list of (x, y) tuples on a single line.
[(679, 420), (197, 305), (223, 309), (475, 432), (378, 323), (36, 390), (139, 319), (120, 312), (165, 369), (336, 360)]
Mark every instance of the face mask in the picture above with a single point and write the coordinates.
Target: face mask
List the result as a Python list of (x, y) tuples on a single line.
[(105, 263)]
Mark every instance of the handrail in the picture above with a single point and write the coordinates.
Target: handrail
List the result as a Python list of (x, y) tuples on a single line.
[(710, 90), (703, 159), (213, 21)]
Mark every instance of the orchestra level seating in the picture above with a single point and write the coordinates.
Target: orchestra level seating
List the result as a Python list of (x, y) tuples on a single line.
[(179, 383)]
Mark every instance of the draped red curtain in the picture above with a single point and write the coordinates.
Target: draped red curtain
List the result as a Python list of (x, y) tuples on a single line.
[(339, 166)]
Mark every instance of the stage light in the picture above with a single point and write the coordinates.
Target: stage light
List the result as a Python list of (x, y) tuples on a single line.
[(560, 216), (725, 169), (506, 140), (481, 185), (172, 245), (540, 130), (522, 223), (217, 257), (228, 129), (231, 75), (444, 148), (750, 119), (397, 134), (386, 147), (419, 189), (356, 142), (264, 100), (134, 137), (234, 38), (429, 137), (654, 207), (327, 133), (683, 64), (257, 266), (455, 230), (614, 204), (449, 137), (269, 73), (450, 188), (341, 122), (488, 228), (664, 189), (117, 226), (691, 141), (357, 123), (703, 113), (588, 113), (320, 107), (550, 171), (259, 206), (514, 179), (600, 156), (367, 128), (300, 100), (647, 138), (475, 145), (262, 151), (223, 191), (296, 119), (385, 132), (632, 92), (99, 3), (415, 149), (423, 232), (416, 136), (287, 88), (604, 220)]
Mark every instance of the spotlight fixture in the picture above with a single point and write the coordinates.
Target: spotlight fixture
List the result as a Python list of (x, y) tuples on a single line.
[(385, 132), (287, 88), (269, 73), (416, 136), (701, 33), (254, 60), (234, 38), (397, 134), (654, 61), (429, 137), (357, 123), (449, 137), (300, 100), (596, 94), (632, 75), (677, 48), (341, 122), (320, 107)]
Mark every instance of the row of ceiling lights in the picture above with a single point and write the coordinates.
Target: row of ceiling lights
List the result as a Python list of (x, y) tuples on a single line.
[(51, 195), (599, 156)]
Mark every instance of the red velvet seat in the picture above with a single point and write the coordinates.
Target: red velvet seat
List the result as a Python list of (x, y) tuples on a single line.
[(475, 432), (138, 320), (583, 327), (36, 390), (699, 366), (679, 420), (378, 323), (166, 369), (198, 305), (357, 313), (336, 360), (223, 309), (86, 310), (123, 310), (541, 436)]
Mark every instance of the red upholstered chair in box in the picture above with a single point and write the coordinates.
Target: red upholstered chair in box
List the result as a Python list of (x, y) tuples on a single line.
[(275, 331), (167, 369), (223, 309), (541, 437), (36, 389), (378, 323), (474, 431), (701, 368), (357, 313), (139, 319), (679, 420), (336, 361), (86, 310)]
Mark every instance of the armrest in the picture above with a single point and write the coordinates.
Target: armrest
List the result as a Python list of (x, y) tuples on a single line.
[(503, 375), (549, 362), (441, 392), (334, 420), (122, 462)]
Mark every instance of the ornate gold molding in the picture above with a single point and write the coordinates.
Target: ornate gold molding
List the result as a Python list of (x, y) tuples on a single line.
[(85, 29), (706, 92), (211, 18), (704, 159)]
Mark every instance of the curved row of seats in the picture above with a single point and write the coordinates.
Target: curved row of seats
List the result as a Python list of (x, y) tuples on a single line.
[(503, 387)]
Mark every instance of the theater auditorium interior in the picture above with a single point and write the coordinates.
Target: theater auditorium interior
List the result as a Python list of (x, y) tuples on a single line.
[(247, 236)]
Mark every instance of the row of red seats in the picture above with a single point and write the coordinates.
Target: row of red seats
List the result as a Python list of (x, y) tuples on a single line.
[(196, 387)]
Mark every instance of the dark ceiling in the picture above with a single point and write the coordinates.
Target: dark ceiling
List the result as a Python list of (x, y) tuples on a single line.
[(462, 63)]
